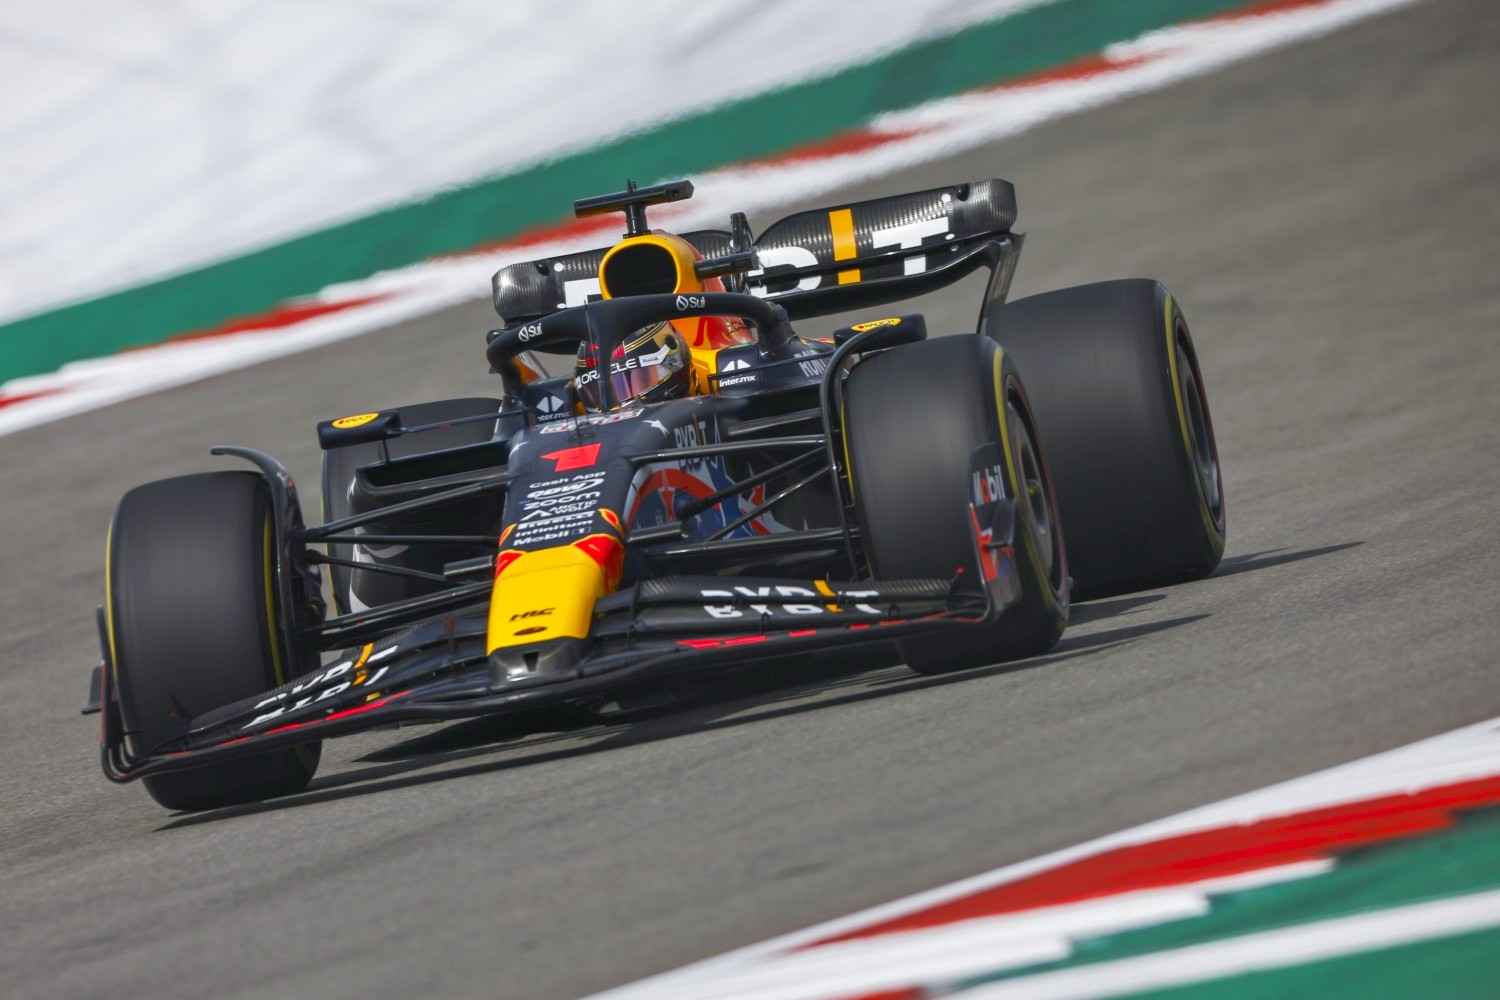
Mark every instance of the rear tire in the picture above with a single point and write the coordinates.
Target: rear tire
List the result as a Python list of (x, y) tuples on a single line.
[(1119, 399), (913, 417), (192, 626)]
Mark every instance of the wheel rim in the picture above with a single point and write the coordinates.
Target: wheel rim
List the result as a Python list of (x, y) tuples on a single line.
[(1204, 451), (1035, 497)]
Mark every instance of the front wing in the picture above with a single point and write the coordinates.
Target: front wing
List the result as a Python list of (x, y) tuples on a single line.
[(439, 669)]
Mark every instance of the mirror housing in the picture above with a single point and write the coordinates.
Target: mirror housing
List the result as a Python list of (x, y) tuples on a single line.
[(892, 332)]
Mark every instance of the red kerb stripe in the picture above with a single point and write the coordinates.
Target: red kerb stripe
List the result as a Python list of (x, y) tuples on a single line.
[(1207, 854), (22, 397)]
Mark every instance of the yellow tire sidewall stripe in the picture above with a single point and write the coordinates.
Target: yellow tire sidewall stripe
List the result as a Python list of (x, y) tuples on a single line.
[(268, 537), (1028, 540), (1215, 534)]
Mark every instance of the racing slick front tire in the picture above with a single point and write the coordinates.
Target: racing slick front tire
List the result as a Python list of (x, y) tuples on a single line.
[(1119, 399), (192, 625), (912, 419)]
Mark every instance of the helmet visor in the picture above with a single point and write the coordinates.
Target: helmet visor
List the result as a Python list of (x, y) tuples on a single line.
[(652, 358)]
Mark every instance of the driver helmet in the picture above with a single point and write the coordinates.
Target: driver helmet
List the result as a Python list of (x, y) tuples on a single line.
[(652, 364)]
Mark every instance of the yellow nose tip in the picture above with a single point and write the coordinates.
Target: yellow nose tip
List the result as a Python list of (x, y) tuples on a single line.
[(550, 593)]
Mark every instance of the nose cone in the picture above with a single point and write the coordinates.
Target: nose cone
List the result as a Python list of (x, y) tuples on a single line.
[(538, 663), (543, 594)]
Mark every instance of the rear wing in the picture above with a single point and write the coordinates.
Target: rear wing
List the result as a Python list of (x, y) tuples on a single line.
[(823, 261)]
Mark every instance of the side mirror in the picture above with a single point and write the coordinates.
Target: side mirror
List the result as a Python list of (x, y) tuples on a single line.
[(884, 333), (358, 429)]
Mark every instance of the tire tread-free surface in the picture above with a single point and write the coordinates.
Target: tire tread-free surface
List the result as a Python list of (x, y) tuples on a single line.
[(914, 416), (192, 627), (1098, 365)]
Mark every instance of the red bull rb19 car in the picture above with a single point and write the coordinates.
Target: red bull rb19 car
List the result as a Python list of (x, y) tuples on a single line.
[(703, 488)]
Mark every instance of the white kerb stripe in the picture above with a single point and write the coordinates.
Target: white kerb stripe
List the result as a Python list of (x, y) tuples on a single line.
[(1276, 949)]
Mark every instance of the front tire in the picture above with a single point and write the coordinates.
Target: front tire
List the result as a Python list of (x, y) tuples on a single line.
[(192, 625), (913, 417), (1120, 401)]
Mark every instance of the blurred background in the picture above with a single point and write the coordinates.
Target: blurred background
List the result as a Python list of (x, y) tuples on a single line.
[(221, 222)]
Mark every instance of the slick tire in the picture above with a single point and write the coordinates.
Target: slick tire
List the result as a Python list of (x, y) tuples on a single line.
[(192, 625), (1119, 399), (912, 419), (372, 589)]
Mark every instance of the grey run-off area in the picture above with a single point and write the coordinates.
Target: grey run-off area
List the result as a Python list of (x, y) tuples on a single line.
[(1328, 217)]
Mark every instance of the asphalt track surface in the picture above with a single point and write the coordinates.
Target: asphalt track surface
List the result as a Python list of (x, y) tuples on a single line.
[(1327, 214)]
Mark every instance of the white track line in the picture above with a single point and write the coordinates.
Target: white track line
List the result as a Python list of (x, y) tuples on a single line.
[(1262, 952)]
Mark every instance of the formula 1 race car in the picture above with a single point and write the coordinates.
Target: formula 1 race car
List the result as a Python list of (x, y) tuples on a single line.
[(703, 488)]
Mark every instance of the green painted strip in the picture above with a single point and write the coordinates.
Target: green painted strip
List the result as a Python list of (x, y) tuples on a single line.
[(1463, 859), (1018, 45), (1460, 966)]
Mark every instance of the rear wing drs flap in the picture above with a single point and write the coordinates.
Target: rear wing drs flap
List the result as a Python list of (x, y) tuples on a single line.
[(823, 261)]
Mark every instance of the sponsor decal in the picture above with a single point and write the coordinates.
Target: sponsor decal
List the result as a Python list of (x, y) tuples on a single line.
[(573, 503), (580, 291), (551, 408), (724, 377), (691, 302), (541, 510), (692, 435), (534, 613), (862, 327), (845, 245), (813, 368), (988, 485), (529, 332), (758, 601), (558, 487), (624, 365), (359, 420), (653, 495), (774, 259), (913, 234), (593, 421), (332, 674), (543, 526), (568, 459)]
